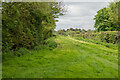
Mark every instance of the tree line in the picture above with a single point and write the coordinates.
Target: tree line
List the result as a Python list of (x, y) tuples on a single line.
[(106, 19)]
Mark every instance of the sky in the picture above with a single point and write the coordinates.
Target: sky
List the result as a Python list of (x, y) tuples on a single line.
[(80, 14)]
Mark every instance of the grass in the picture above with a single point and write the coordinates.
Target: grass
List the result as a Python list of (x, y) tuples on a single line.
[(109, 45), (70, 59)]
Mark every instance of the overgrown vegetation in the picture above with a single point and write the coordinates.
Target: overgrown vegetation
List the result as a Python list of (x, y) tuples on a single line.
[(49, 44), (107, 18), (109, 45), (103, 36), (28, 24)]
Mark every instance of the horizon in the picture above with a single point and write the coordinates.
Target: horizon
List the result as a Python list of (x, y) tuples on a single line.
[(79, 15)]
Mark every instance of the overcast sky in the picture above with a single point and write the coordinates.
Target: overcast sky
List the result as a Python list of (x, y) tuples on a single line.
[(80, 15)]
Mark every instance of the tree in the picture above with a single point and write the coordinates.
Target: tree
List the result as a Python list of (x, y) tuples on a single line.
[(83, 31), (89, 31), (28, 24), (106, 18), (77, 32), (71, 29), (61, 32)]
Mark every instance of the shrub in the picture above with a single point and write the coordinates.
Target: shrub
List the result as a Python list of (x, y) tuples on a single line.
[(51, 44), (106, 36), (21, 51), (37, 48)]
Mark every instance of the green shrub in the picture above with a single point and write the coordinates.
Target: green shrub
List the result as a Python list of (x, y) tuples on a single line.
[(50, 43), (106, 36), (21, 52), (37, 48)]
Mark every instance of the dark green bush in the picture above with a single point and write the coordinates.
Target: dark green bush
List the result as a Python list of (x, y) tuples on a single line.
[(21, 52), (37, 48)]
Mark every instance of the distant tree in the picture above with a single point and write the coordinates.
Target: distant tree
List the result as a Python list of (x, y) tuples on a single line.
[(77, 32), (83, 31), (64, 30), (76, 29), (68, 29), (71, 29), (89, 30), (61, 32), (71, 33)]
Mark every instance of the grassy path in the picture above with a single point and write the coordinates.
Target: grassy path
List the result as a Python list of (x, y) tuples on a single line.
[(71, 59)]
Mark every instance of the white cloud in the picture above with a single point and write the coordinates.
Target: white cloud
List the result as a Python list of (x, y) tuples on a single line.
[(80, 15)]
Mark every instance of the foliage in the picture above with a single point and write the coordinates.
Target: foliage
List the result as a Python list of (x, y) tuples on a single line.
[(109, 45), (28, 24), (21, 51), (76, 29), (39, 47), (103, 36), (107, 18), (61, 32), (51, 44), (107, 37), (71, 31)]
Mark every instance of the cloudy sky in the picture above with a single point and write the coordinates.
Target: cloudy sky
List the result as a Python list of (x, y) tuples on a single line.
[(80, 15)]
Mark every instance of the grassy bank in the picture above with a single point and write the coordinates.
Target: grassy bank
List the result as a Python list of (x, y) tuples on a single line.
[(109, 45), (71, 58)]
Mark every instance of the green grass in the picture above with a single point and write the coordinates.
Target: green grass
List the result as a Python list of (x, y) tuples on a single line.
[(71, 59), (109, 45)]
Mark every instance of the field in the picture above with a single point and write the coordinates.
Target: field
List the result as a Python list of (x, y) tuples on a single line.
[(72, 58)]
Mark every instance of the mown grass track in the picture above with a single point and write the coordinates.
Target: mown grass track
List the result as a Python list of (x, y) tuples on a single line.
[(71, 59)]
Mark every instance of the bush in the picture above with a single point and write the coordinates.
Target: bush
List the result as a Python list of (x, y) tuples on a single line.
[(37, 48), (50, 43), (106, 36), (21, 52), (28, 24)]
